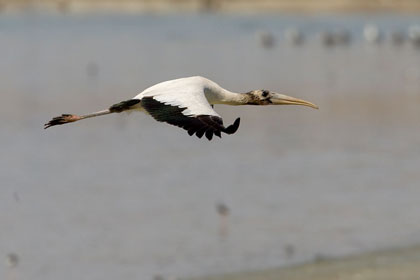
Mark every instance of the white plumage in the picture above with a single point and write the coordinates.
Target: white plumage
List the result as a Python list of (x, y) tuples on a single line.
[(186, 93), (188, 103)]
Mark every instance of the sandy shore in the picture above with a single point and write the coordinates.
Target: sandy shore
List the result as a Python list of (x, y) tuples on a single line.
[(401, 264), (234, 6)]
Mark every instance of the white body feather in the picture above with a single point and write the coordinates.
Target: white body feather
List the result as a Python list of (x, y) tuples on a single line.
[(193, 93)]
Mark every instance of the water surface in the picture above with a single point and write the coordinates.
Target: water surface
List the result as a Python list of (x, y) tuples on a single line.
[(123, 196)]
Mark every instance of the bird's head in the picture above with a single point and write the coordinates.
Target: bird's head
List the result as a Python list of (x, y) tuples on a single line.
[(266, 97)]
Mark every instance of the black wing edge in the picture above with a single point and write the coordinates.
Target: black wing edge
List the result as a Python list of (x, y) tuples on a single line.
[(199, 125)]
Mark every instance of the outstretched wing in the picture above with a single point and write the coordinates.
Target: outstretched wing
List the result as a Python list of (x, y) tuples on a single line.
[(193, 114)]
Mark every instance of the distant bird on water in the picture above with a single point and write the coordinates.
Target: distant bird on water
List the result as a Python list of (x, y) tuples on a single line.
[(188, 103)]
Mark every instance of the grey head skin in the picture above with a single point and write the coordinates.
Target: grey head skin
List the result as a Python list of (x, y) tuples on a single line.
[(267, 97)]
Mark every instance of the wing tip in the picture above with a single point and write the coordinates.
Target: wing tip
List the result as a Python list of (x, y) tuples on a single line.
[(233, 127)]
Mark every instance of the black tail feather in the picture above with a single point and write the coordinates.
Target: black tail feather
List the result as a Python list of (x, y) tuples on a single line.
[(123, 105)]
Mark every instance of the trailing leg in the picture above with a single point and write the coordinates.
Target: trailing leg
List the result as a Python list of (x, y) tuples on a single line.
[(116, 108)]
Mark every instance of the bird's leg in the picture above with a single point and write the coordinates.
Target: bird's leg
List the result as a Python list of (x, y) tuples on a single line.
[(116, 108), (68, 118)]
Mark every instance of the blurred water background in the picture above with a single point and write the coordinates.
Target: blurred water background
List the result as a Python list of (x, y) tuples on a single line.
[(125, 197)]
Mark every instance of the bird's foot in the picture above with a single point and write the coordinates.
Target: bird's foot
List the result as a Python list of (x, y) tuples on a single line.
[(64, 118)]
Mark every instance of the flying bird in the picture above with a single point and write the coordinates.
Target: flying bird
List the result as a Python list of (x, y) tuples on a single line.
[(188, 103)]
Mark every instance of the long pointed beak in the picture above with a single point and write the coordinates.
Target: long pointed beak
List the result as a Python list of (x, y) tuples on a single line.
[(281, 99)]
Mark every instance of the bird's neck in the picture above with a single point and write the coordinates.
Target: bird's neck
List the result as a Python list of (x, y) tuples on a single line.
[(223, 96)]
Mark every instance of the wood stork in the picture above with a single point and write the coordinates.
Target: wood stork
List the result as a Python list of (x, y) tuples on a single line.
[(188, 103)]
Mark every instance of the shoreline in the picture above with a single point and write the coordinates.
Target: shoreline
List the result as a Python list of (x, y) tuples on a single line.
[(223, 6), (401, 263)]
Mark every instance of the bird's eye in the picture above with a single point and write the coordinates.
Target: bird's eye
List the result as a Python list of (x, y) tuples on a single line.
[(265, 93)]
